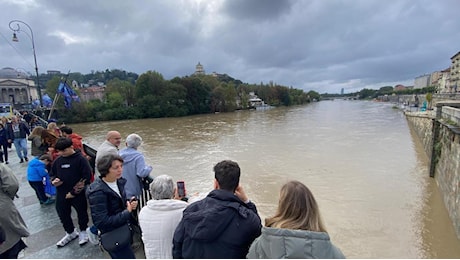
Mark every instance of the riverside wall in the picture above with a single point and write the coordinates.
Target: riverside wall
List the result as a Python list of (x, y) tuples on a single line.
[(444, 152)]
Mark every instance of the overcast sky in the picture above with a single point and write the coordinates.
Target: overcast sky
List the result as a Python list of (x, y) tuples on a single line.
[(322, 45)]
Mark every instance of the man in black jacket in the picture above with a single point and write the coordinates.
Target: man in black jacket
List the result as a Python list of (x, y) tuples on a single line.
[(222, 225), (17, 134)]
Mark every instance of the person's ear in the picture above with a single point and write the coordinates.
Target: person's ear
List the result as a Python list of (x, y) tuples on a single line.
[(216, 184)]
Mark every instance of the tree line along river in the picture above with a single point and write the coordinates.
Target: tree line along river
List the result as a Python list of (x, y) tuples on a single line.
[(362, 161)]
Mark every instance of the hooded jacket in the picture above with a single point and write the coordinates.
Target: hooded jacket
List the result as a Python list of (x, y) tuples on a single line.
[(158, 221), (134, 168), (288, 243), (10, 218), (108, 210), (36, 170), (218, 226), (77, 142), (70, 170)]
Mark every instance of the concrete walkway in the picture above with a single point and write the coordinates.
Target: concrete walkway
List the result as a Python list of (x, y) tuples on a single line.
[(44, 225)]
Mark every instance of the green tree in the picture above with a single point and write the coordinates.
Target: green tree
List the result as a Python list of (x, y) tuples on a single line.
[(148, 83), (429, 99), (125, 88)]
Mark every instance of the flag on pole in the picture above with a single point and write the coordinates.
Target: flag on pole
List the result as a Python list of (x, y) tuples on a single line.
[(47, 101), (68, 93)]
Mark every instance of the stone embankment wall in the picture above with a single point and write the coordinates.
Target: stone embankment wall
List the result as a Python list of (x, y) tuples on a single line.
[(446, 158)]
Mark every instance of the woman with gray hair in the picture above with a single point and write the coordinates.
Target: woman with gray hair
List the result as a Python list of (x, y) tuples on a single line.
[(159, 218), (134, 166)]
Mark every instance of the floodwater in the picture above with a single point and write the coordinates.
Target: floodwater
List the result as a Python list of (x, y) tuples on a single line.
[(362, 161)]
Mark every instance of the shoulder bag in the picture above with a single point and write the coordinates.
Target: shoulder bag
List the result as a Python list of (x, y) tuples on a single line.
[(117, 238)]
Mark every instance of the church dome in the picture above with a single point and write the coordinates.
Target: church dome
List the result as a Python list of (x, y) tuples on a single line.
[(10, 73)]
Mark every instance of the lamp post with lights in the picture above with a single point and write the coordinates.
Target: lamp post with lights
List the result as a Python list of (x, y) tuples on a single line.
[(17, 29)]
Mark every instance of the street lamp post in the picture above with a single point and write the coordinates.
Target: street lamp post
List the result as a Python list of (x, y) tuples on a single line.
[(17, 29)]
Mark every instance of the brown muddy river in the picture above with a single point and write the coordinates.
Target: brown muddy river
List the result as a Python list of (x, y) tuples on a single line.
[(361, 160)]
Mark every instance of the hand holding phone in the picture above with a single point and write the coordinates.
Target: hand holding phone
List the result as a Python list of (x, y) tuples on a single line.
[(181, 189)]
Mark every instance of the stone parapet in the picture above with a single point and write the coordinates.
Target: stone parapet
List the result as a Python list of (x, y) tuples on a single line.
[(446, 158)]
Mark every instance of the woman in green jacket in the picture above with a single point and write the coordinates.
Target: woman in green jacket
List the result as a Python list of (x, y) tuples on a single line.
[(296, 230)]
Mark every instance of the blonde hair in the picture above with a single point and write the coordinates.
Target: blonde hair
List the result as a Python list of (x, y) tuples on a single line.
[(38, 130), (297, 209), (52, 126)]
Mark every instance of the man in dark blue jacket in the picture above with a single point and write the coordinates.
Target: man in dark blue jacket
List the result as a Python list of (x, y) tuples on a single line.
[(222, 225)]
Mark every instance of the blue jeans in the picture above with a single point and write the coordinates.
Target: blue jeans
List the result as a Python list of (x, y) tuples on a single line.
[(21, 146)]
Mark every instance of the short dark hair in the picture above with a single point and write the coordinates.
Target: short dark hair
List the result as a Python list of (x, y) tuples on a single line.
[(62, 143), (105, 162), (227, 174), (66, 130), (46, 157)]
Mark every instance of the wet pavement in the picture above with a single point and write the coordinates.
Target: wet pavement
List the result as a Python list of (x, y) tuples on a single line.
[(44, 225)]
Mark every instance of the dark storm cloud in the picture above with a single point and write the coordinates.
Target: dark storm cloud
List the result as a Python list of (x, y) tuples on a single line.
[(321, 45), (256, 9)]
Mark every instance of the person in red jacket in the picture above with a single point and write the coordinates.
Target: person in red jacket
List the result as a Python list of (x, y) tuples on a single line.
[(76, 143), (76, 139)]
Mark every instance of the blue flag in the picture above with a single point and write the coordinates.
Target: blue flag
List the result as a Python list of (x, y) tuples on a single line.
[(68, 93), (47, 101)]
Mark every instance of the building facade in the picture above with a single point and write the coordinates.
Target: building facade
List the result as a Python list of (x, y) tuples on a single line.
[(16, 87), (455, 72), (444, 82), (422, 81), (199, 70)]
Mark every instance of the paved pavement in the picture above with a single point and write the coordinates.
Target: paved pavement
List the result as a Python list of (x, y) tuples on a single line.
[(44, 225)]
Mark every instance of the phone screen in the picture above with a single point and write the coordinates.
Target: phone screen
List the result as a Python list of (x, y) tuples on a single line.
[(181, 188)]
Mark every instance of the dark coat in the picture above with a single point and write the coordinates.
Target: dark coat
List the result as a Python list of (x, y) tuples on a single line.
[(23, 130), (108, 210), (4, 136), (219, 226)]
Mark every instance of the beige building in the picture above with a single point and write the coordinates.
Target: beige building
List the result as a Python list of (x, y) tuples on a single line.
[(93, 92), (422, 81), (455, 72), (434, 79), (444, 82), (199, 70), (16, 87)]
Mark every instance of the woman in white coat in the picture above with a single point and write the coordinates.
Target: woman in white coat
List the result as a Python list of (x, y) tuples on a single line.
[(159, 218)]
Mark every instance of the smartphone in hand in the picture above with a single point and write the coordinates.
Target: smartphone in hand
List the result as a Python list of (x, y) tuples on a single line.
[(181, 189)]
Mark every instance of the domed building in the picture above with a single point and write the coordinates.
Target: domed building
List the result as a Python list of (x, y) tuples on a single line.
[(16, 87)]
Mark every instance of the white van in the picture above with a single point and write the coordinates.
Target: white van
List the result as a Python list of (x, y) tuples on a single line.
[(6, 110)]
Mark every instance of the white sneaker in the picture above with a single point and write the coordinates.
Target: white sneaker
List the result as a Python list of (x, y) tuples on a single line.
[(67, 238), (93, 238), (83, 238)]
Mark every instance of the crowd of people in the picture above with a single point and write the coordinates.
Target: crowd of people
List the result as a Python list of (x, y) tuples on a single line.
[(223, 224)]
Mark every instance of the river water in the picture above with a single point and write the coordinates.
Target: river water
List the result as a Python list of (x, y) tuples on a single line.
[(362, 161)]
